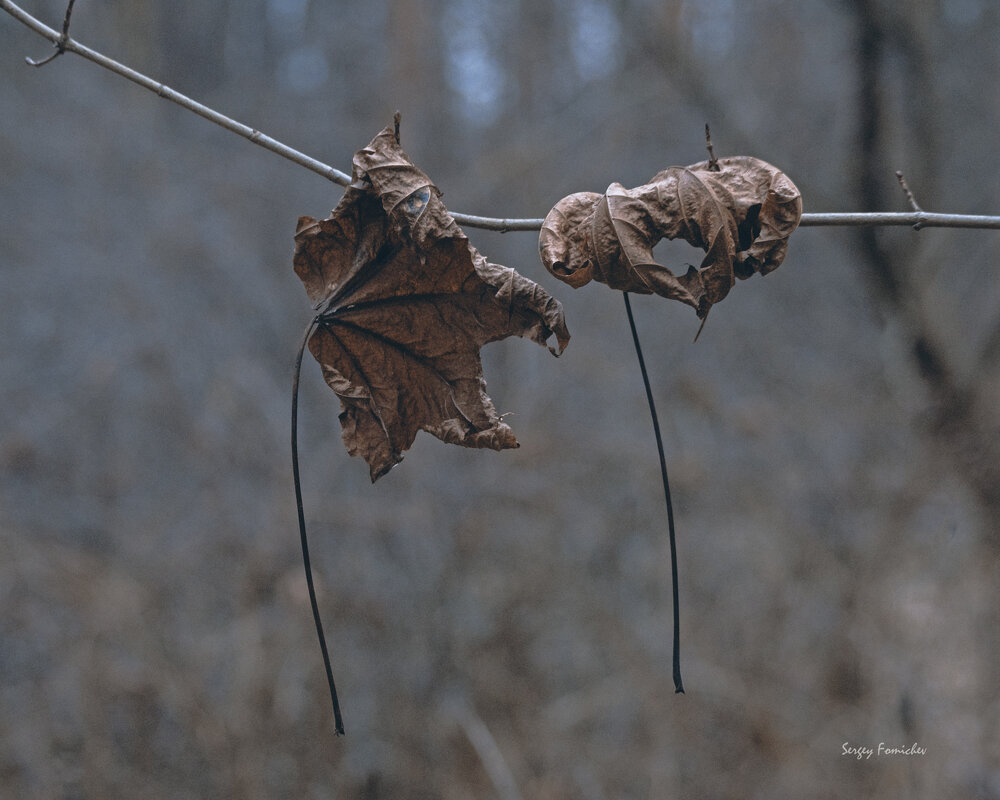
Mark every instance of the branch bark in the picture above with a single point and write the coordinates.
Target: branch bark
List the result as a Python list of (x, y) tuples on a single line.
[(64, 43)]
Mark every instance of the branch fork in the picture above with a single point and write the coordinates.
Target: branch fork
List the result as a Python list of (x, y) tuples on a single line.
[(59, 44), (909, 196)]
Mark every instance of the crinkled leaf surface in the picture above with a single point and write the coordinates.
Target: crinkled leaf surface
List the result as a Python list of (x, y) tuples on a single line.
[(405, 304), (739, 210)]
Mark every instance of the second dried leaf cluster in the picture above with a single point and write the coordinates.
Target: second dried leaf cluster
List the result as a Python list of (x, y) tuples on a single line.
[(739, 210)]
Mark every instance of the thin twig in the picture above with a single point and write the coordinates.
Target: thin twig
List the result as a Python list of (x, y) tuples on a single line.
[(909, 196), (713, 162), (60, 43), (255, 136), (906, 190), (922, 219)]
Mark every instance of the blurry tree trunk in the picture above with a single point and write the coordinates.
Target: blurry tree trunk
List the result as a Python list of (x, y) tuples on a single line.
[(965, 427), (534, 57)]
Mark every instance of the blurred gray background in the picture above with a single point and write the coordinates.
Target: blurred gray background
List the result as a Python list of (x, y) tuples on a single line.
[(500, 623)]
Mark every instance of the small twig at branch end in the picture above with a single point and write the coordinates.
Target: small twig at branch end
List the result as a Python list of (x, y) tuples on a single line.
[(32, 63), (395, 125), (909, 196), (713, 162), (906, 190), (59, 45)]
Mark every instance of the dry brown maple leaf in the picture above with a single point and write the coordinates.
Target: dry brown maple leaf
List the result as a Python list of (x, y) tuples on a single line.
[(405, 303), (739, 210)]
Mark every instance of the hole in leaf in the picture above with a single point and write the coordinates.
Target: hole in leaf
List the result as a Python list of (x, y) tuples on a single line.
[(677, 255)]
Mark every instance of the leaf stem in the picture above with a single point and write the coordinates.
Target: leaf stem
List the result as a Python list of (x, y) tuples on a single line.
[(307, 565), (678, 683)]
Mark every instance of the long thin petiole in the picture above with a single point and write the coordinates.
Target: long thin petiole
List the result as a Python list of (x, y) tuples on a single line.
[(337, 719), (678, 682)]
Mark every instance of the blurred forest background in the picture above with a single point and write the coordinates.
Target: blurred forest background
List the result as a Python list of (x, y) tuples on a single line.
[(500, 623)]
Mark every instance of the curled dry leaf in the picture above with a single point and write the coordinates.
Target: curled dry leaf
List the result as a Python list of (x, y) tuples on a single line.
[(740, 213), (405, 303)]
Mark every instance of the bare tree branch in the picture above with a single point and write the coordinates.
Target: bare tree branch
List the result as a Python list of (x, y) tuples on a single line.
[(917, 219), (72, 46), (63, 43)]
